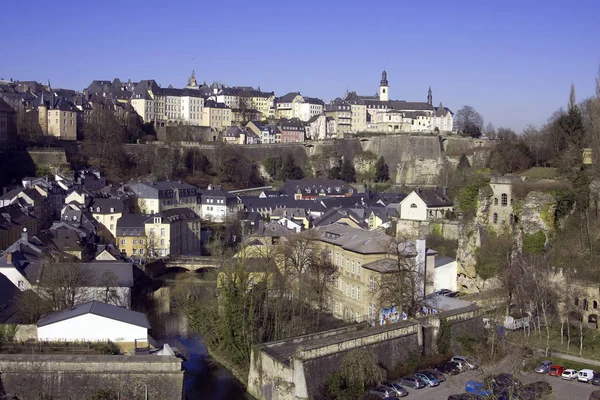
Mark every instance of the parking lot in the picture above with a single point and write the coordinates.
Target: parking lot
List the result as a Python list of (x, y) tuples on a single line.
[(562, 389)]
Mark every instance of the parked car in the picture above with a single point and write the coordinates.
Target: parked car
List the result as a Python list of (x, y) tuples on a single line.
[(437, 374), (449, 367), (569, 374), (428, 378), (412, 381), (543, 367), (464, 396), (470, 362), (394, 387), (452, 294), (596, 380), (586, 375), (503, 383), (443, 292), (556, 370), (478, 388), (535, 390), (381, 392)]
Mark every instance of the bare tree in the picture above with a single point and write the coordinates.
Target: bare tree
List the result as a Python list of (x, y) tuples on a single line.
[(468, 122), (30, 307), (109, 284), (403, 280), (65, 284)]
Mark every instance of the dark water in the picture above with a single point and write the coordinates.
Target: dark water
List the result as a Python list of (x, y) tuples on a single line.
[(204, 378)]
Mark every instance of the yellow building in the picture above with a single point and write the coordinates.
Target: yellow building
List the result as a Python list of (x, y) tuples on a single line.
[(149, 101), (341, 112), (57, 117), (107, 212), (131, 235), (216, 115), (173, 232)]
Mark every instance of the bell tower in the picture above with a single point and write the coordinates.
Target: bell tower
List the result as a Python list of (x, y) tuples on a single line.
[(429, 97), (384, 88)]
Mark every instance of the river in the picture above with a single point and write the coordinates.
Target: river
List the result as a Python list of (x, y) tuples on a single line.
[(205, 378)]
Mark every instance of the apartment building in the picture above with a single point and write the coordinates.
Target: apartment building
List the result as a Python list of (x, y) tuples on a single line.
[(216, 115), (155, 197)]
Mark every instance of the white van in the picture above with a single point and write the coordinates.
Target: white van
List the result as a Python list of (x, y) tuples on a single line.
[(585, 375)]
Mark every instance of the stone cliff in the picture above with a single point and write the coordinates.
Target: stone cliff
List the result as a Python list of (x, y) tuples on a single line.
[(413, 159)]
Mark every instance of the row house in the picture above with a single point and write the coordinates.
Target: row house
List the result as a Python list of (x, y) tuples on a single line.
[(155, 197), (294, 105)]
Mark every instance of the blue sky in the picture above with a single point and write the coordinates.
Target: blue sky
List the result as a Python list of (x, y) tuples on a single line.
[(513, 61)]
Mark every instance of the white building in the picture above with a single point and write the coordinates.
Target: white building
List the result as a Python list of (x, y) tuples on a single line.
[(425, 204), (94, 321), (445, 273), (183, 105), (217, 205)]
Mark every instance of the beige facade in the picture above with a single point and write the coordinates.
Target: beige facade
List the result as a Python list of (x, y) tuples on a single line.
[(216, 115), (359, 117), (501, 208), (58, 123)]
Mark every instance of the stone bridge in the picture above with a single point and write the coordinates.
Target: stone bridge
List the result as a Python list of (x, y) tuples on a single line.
[(193, 263), (296, 368)]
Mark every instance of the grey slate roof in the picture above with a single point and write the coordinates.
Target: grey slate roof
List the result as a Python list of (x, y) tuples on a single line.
[(434, 197), (106, 205), (354, 239), (122, 271), (97, 308), (288, 98), (316, 186), (8, 294)]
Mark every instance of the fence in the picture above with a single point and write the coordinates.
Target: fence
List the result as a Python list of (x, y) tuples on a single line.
[(83, 348)]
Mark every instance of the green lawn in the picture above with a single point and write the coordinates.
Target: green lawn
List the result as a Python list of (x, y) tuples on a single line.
[(591, 341), (540, 173)]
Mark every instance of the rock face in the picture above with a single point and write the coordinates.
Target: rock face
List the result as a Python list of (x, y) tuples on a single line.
[(537, 213)]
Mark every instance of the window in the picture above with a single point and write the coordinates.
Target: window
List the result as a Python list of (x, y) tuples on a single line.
[(576, 302), (162, 242), (358, 268), (357, 293), (495, 201), (495, 218), (595, 305), (374, 284), (585, 304), (112, 226), (370, 283), (21, 284), (511, 219), (504, 200), (347, 289), (353, 267), (347, 265), (141, 252), (112, 217), (352, 291), (134, 252), (134, 241), (123, 242), (413, 205), (162, 231), (141, 241)]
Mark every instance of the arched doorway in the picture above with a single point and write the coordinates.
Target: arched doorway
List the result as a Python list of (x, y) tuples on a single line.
[(593, 321)]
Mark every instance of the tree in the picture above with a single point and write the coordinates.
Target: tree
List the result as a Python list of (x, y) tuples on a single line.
[(505, 134), (233, 167), (334, 173), (30, 307), (490, 131), (493, 256), (289, 169), (510, 156), (463, 162), (109, 284), (468, 122), (347, 171), (403, 283), (64, 284), (359, 370), (321, 274), (382, 171)]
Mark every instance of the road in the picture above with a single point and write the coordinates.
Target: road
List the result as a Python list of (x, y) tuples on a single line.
[(456, 384)]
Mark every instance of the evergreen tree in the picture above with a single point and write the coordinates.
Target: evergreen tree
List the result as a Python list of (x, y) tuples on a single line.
[(347, 172), (289, 169), (382, 171), (334, 173), (463, 162)]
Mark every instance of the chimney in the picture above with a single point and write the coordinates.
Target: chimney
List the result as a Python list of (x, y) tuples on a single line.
[(445, 191), (25, 235), (419, 189), (9, 258)]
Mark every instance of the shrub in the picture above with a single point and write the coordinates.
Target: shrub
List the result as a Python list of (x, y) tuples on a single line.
[(534, 243), (444, 337)]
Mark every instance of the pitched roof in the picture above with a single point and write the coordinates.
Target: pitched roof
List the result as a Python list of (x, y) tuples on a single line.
[(355, 239), (434, 197), (107, 206), (4, 107), (288, 98), (8, 294), (316, 186), (97, 308), (410, 105), (133, 221)]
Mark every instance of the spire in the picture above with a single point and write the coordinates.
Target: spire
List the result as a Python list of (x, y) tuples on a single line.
[(192, 83), (429, 97), (384, 81)]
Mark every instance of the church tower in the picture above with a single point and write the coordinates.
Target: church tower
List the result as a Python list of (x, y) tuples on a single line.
[(192, 84), (384, 88), (429, 97)]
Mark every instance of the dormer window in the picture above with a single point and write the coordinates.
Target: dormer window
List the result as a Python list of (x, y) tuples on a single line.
[(112, 209), (97, 209), (413, 205)]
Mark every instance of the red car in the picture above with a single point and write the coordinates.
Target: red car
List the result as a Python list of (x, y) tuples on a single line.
[(556, 370)]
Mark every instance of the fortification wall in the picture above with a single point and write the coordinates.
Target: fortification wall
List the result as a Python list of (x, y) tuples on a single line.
[(76, 377)]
